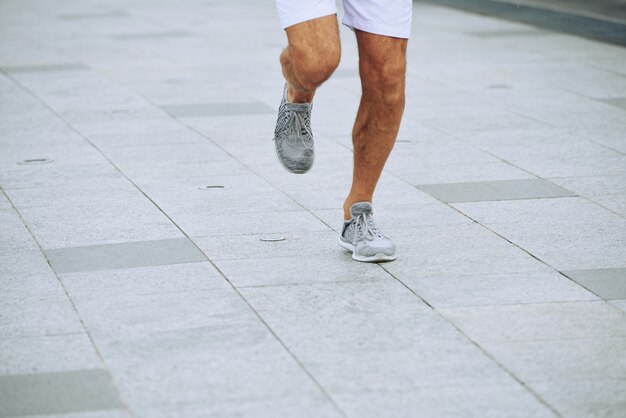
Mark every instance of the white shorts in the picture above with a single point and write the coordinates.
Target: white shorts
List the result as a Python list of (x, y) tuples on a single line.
[(382, 17)]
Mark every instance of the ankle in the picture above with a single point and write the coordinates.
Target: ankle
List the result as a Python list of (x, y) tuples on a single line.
[(348, 204)]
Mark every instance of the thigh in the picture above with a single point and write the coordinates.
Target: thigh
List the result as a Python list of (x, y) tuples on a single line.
[(315, 38), (382, 60), (391, 18), (292, 12)]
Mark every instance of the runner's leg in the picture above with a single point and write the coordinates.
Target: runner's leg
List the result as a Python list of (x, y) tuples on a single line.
[(382, 67)]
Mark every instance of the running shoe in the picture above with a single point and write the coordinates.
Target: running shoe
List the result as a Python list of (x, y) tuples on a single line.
[(293, 138), (362, 236)]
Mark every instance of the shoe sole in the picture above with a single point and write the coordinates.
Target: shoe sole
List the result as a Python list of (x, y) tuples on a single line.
[(371, 259)]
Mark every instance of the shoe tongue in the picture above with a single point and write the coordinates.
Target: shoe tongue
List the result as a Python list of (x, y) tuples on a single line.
[(360, 208), (298, 107)]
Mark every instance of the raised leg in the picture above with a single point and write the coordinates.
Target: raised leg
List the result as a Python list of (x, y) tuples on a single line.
[(382, 67), (311, 57)]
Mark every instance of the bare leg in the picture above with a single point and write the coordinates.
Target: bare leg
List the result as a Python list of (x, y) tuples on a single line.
[(382, 66), (311, 57)]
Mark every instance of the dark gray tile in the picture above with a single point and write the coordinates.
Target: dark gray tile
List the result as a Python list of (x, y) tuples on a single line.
[(152, 35), (609, 284), (70, 66), (494, 190), (618, 102), (124, 255), (218, 109), (57, 393)]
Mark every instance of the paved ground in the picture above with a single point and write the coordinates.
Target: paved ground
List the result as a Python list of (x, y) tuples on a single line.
[(614, 10), (133, 287)]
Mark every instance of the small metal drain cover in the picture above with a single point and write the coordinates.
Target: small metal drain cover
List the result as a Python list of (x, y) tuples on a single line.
[(211, 187), (33, 161), (268, 239)]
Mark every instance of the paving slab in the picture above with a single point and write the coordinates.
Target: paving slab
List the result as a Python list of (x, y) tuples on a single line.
[(457, 250), (494, 190), (216, 363), (61, 392), (124, 255), (567, 233), (606, 283), (33, 301), (218, 109), (14, 236), (299, 269), (143, 107), (47, 354), (563, 360), (584, 398), (454, 401), (547, 321), (379, 338), (496, 289)]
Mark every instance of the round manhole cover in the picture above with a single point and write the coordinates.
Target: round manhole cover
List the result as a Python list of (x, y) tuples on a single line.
[(33, 161)]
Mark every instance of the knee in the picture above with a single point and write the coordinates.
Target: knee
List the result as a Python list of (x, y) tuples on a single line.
[(314, 66), (385, 81)]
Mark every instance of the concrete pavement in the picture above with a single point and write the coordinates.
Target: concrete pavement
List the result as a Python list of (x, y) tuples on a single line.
[(141, 201)]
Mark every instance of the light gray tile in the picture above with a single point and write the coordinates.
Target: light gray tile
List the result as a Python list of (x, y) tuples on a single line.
[(124, 255), (141, 312), (456, 250), (497, 289), (298, 221), (338, 267), (54, 353), (524, 146), (33, 301), (95, 15), (563, 359), (494, 190), (218, 109), (479, 401), (549, 321), (434, 173), (58, 175), (14, 236), (584, 398), (621, 304), (238, 194), (233, 357), (304, 407), (370, 336), (146, 281), (152, 35), (354, 316), (566, 233), (263, 246), (606, 283), (54, 393), (167, 154)]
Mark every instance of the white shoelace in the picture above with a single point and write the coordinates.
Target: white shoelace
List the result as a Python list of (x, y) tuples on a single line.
[(364, 225)]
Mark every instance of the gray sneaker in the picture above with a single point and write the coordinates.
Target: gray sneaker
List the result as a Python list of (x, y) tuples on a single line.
[(361, 236), (293, 138)]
